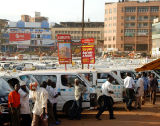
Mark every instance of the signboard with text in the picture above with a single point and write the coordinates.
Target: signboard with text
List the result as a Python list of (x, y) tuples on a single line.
[(64, 49), (14, 37), (87, 41), (88, 54)]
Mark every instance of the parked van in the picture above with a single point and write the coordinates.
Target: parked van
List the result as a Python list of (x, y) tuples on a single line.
[(65, 85), (97, 77), (5, 89)]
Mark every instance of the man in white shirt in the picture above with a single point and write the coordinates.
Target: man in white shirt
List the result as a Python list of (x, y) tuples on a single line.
[(139, 92), (129, 85), (40, 96), (77, 105), (106, 99), (25, 108)]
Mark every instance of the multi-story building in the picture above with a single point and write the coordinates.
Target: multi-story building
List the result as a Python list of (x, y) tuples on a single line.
[(91, 30), (156, 38), (128, 25), (27, 36), (37, 18)]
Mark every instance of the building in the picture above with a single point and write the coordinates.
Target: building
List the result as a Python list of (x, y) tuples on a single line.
[(27, 36), (91, 30), (3, 26), (37, 18), (156, 38), (128, 25)]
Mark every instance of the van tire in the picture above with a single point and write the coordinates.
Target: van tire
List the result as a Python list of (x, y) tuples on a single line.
[(67, 108)]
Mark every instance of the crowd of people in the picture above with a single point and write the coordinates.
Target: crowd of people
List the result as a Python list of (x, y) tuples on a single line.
[(145, 85), (44, 109)]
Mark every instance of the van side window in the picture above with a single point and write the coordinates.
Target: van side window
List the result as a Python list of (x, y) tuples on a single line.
[(41, 78), (88, 76), (102, 75), (68, 80), (27, 78)]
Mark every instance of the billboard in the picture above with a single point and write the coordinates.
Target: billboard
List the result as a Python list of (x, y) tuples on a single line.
[(19, 37), (64, 49), (88, 54), (87, 41)]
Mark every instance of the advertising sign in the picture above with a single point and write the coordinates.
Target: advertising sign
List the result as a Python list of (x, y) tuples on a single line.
[(88, 54), (89, 40), (19, 37), (64, 49)]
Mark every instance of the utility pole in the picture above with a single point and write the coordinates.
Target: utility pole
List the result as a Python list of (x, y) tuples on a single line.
[(83, 1)]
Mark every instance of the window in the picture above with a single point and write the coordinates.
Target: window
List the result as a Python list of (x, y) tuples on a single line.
[(142, 9), (115, 10), (106, 11), (132, 17), (109, 45), (130, 9), (141, 47), (142, 32), (154, 9), (145, 17), (122, 38), (129, 32), (28, 79), (122, 31), (88, 76), (110, 11), (145, 24), (41, 78), (113, 38), (68, 80), (132, 24), (102, 75)]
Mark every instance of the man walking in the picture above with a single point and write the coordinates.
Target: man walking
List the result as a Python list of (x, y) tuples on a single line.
[(129, 85), (14, 105), (76, 108), (25, 108), (107, 99), (40, 96), (146, 82), (153, 83), (139, 92)]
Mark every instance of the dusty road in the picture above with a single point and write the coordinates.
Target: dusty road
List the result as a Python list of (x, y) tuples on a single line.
[(149, 115)]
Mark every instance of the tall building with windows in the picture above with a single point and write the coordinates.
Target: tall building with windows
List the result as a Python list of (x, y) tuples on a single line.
[(128, 25)]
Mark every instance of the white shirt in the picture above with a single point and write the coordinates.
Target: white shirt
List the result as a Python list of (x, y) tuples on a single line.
[(24, 101), (140, 84), (129, 82), (79, 90), (40, 96), (106, 87), (51, 93)]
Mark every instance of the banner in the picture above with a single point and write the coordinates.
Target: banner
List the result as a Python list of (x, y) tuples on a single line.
[(14, 37), (87, 41), (64, 49), (88, 54)]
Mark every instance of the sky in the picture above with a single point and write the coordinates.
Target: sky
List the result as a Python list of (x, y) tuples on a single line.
[(55, 10)]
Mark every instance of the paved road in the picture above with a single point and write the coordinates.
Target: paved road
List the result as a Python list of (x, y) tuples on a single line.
[(149, 115)]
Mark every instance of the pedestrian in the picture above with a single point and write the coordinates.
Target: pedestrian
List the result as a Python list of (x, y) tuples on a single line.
[(140, 92), (54, 101), (25, 108), (76, 108), (146, 82), (40, 96), (14, 105), (129, 85), (153, 84), (106, 99)]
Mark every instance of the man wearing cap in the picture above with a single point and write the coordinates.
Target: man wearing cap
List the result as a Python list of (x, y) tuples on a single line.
[(40, 97), (25, 108), (14, 105)]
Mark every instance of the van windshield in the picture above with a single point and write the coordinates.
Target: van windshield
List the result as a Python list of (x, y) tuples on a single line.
[(5, 89)]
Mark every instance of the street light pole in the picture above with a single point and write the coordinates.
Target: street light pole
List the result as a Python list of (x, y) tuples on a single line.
[(83, 1)]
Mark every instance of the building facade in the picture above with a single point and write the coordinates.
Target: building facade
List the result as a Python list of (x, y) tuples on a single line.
[(156, 39), (27, 36), (91, 30), (128, 25)]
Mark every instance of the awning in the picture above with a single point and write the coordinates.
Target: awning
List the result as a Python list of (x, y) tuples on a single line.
[(150, 66)]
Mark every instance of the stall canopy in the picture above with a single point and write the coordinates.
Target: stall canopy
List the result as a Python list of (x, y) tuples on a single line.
[(150, 66)]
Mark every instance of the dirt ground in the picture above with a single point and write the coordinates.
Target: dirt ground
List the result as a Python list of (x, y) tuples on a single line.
[(149, 115)]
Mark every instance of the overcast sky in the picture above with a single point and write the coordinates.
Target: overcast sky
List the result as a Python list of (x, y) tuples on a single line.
[(55, 10)]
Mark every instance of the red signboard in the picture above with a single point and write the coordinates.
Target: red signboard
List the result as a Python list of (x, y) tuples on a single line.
[(19, 37), (63, 37), (89, 40), (64, 49), (88, 54)]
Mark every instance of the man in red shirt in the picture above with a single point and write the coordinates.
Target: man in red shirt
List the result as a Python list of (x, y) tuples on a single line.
[(14, 105)]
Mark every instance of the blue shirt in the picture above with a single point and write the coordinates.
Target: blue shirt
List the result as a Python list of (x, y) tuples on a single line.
[(145, 79)]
